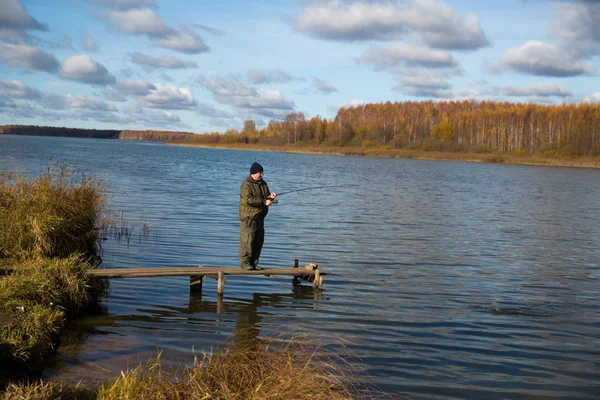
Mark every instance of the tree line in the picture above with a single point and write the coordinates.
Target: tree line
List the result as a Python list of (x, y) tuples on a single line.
[(150, 135), (487, 126)]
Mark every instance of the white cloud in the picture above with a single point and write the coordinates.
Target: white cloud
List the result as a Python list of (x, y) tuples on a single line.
[(89, 43), (321, 87), (138, 88), (208, 110), (433, 21), (23, 101), (268, 103), (83, 68), (138, 114), (15, 16), (161, 62), (139, 21), (113, 95), (540, 100), (124, 4), (143, 21), (258, 77), (537, 58), (169, 97), (425, 86), (53, 101), (96, 115), (594, 98), (577, 27), (80, 101), (14, 36), (538, 90), (27, 57), (184, 41), (14, 89), (351, 103), (6, 104), (407, 55)]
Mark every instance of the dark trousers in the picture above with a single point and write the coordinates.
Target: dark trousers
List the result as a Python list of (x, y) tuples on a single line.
[(252, 237)]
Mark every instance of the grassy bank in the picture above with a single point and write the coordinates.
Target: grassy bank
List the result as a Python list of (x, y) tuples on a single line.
[(501, 158), (259, 369), (48, 242)]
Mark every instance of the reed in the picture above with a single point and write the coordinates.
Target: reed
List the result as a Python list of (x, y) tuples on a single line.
[(275, 369), (48, 238), (54, 215)]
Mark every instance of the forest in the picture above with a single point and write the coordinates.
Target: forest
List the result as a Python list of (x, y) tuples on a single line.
[(452, 126)]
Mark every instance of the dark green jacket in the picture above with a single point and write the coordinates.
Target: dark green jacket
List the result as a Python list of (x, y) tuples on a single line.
[(252, 199)]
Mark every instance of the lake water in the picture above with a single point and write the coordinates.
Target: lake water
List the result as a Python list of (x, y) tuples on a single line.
[(451, 280)]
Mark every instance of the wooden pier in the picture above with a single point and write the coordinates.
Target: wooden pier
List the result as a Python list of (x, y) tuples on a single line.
[(310, 273)]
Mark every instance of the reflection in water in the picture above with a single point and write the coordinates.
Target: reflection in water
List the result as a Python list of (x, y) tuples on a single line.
[(109, 352)]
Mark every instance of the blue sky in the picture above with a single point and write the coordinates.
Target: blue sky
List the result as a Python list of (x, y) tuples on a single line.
[(204, 66)]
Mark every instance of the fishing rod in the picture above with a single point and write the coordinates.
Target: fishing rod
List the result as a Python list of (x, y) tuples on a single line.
[(313, 188), (310, 188)]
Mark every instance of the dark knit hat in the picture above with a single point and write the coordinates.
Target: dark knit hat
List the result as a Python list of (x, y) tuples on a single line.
[(256, 168)]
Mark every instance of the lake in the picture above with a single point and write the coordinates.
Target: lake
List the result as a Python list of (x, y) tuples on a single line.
[(451, 280)]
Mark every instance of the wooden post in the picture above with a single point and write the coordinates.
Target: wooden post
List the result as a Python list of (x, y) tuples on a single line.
[(318, 281), (196, 283), (219, 304), (220, 283), (295, 280)]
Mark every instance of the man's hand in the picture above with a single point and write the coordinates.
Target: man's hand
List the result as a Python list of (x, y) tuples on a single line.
[(270, 199)]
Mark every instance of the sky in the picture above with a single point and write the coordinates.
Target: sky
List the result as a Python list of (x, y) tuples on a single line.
[(204, 66)]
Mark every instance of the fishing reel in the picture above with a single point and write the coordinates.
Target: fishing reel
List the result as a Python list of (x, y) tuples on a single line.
[(273, 201)]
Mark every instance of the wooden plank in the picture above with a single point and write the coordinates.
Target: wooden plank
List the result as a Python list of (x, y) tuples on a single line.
[(212, 272)]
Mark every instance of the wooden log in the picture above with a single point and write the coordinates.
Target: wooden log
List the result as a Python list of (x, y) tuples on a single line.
[(221, 283)]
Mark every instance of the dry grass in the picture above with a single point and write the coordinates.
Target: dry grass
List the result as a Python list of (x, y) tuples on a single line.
[(254, 370), (47, 391), (272, 369)]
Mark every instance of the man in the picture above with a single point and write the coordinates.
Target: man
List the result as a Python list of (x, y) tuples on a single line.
[(255, 200)]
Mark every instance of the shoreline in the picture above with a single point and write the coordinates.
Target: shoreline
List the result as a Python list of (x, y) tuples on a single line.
[(494, 158)]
